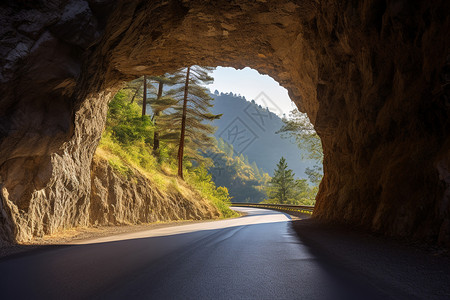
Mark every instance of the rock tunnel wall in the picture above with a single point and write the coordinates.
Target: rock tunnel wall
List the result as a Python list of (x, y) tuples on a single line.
[(372, 76)]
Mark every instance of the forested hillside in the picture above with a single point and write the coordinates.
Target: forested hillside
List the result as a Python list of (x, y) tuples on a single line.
[(245, 181), (245, 148), (251, 129), (128, 142)]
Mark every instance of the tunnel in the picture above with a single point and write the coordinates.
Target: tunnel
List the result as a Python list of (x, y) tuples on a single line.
[(373, 77)]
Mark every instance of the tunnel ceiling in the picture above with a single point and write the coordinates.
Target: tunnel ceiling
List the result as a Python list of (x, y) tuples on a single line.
[(371, 75)]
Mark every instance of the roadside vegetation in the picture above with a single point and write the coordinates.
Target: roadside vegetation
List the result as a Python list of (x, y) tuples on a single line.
[(245, 180), (129, 139), (299, 129), (161, 126), (284, 188)]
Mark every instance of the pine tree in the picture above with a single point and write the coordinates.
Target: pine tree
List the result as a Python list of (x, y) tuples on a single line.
[(137, 88), (144, 98), (229, 150), (186, 121), (221, 144), (256, 169), (160, 102), (299, 128), (282, 186), (183, 124)]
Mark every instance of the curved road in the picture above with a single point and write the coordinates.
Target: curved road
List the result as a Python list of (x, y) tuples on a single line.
[(254, 257)]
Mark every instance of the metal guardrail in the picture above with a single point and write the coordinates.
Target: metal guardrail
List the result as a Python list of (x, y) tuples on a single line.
[(304, 209)]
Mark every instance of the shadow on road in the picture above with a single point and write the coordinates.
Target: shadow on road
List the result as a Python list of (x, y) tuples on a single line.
[(389, 265)]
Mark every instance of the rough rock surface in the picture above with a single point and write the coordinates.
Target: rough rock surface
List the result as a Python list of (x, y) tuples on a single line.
[(372, 75), (117, 199)]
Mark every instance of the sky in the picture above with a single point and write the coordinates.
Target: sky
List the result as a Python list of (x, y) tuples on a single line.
[(249, 83)]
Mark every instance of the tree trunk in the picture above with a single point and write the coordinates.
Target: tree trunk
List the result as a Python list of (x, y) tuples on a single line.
[(144, 98), (135, 94), (156, 134), (183, 126)]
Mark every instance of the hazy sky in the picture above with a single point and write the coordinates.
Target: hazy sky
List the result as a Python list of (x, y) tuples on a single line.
[(249, 83)]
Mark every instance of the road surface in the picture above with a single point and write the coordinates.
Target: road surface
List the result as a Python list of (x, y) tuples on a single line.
[(257, 256)]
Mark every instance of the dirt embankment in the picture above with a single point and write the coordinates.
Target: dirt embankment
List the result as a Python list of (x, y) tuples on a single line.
[(131, 199), (134, 198)]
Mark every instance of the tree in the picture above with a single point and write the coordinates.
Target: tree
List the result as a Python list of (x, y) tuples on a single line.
[(255, 169), (306, 138), (188, 120), (125, 122), (282, 186), (136, 86), (160, 102), (225, 147), (144, 98), (143, 88), (183, 125), (314, 174), (244, 183)]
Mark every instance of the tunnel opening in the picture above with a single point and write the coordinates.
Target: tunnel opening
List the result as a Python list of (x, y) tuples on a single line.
[(376, 96), (239, 142)]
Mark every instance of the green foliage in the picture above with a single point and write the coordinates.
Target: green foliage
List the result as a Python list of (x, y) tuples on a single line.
[(246, 182), (300, 128), (283, 188), (262, 150), (119, 166), (306, 138), (282, 185), (128, 136), (314, 175), (202, 181), (198, 131), (125, 122)]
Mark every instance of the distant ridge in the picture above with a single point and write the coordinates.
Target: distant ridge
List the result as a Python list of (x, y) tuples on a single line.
[(251, 128)]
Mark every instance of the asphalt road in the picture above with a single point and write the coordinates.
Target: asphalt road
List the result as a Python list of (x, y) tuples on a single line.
[(253, 257)]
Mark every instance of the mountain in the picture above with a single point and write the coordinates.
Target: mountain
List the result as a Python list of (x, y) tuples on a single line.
[(251, 129)]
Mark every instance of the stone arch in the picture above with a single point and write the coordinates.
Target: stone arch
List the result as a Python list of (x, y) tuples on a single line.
[(369, 75)]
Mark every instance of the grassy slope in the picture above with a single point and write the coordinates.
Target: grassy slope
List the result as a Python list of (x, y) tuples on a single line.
[(140, 158)]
